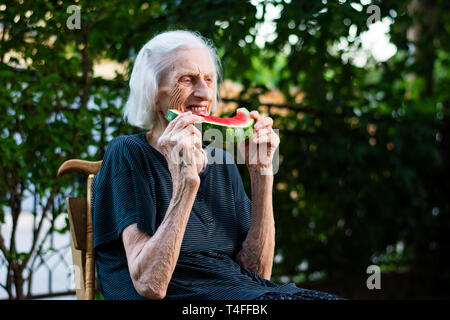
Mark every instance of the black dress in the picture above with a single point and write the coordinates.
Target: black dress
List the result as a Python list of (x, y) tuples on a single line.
[(134, 186)]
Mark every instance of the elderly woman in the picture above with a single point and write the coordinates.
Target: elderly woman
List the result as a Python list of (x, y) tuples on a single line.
[(165, 228)]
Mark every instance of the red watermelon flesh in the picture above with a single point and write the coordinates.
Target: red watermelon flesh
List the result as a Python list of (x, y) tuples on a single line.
[(236, 128), (239, 119)]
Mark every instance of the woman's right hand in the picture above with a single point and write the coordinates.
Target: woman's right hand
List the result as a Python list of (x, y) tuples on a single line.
[(181, 144)]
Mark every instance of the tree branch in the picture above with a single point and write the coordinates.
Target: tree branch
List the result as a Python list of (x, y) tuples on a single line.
[(37, 231), (3, 248)]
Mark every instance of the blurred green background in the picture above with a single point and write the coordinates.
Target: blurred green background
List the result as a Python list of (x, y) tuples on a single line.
[(361, 101)]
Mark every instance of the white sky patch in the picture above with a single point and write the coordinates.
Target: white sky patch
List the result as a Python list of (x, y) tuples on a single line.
[(375, 43), (58, 263), (107, 69), (266, 31), (377, 40)]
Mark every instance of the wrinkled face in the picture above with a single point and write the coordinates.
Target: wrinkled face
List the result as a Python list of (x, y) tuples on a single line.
[(188, 84)]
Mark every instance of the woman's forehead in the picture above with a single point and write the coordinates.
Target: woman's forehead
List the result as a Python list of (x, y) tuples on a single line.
[(195, 61)]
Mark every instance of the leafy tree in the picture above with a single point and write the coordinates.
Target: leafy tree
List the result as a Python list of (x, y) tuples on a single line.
[(54, 106), (365, 154)]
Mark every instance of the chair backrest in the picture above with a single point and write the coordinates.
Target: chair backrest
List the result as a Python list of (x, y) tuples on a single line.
[(81, 229)]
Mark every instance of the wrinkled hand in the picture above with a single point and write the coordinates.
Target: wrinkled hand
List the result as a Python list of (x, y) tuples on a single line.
[(259, 149), (181, 144)]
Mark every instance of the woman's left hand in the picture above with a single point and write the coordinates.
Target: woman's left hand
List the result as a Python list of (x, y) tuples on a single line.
[(259, 149)]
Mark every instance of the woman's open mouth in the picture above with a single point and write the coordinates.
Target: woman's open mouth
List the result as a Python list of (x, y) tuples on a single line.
[(197, 109)]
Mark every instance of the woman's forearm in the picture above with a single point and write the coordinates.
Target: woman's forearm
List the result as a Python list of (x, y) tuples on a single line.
[(258, 248), (157, 257)]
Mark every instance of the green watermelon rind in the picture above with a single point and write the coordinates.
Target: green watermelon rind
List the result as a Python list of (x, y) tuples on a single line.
[(230, 133)]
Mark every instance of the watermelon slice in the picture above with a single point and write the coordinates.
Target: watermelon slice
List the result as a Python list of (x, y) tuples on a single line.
[(234, 129)]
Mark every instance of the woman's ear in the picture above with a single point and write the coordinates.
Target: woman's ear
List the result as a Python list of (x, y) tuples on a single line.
[(158, 109)]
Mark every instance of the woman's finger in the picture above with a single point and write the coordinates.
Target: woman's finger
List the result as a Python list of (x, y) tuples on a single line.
[(270, 138), (263, 139), (255, 115), (197, 138), (197, 132), (165, 136), (263, 123), (274, 138), (186, 120), (253, 138), (192, 134), (177, 135), (172, 123), (263, 131)]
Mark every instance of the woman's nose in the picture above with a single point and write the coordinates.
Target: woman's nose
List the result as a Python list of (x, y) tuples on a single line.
[(202, 90)]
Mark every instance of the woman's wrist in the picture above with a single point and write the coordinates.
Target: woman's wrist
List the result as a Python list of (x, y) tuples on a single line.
[(260, 180), (185, 176), (258, 171)]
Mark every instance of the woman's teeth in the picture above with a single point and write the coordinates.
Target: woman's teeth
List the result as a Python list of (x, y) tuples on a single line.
[(196, 109)]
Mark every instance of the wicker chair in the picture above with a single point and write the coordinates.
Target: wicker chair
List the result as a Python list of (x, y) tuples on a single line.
[(81, 229)]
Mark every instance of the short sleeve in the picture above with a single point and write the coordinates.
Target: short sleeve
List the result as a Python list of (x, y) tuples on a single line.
[(121, 195)]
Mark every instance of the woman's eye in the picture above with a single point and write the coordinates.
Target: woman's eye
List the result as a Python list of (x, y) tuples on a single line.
[(209, 81), (186, 80)]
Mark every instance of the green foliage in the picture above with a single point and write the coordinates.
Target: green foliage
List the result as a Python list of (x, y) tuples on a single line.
[(365, 155)]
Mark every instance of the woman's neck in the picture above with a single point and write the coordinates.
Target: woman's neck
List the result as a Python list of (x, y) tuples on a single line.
[(157, 130)]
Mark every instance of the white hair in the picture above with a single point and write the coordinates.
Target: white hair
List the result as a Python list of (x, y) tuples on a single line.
[(151, 61)]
